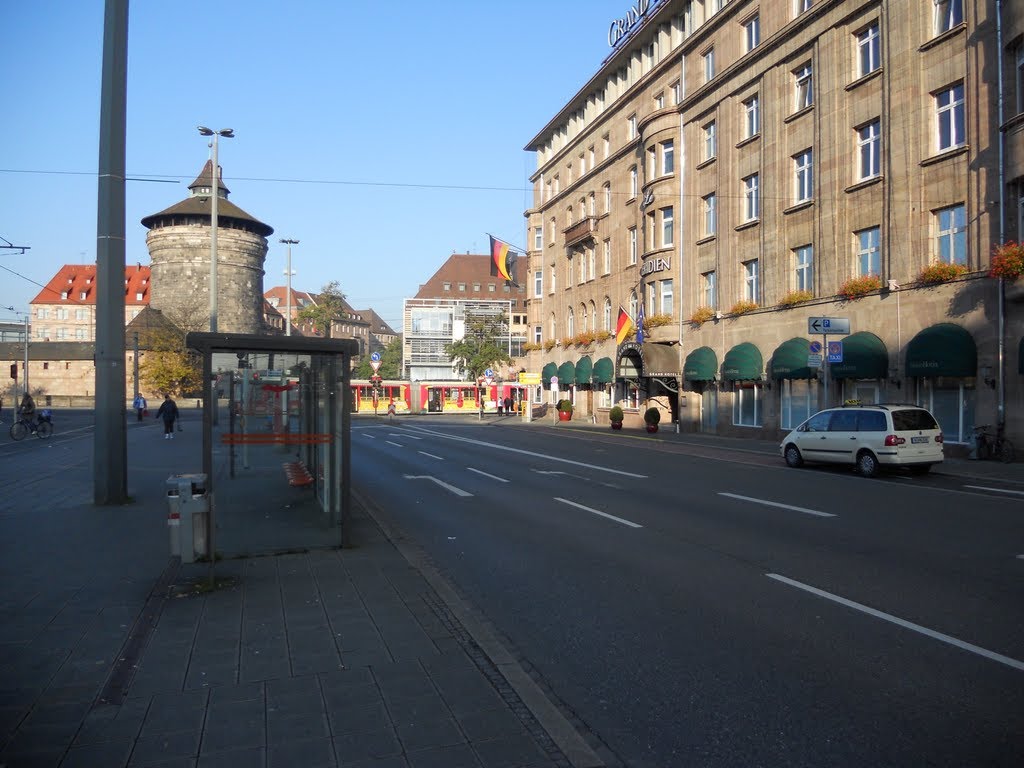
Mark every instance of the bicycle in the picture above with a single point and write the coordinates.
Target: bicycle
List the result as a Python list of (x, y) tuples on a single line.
[(993, 446), (42, 427)]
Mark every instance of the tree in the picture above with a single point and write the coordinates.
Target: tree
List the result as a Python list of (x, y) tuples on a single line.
[(329, 306), (166, 365), (480, 348), (390, 363)]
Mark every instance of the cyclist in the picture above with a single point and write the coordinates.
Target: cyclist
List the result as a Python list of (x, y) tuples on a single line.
[(27, 411)]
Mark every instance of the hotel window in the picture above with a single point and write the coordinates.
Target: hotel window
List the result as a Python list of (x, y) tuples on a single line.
[(869, 252), (631, 123), (537, 334), (804, 257), (583, 318), (557, 185), (668, 157), (948, 13), (667, 225), (869, 150), (750, 277), (591, 263), (538, 238), (751, 117), (710, 294), (1020, 79), (570, 325), (710, 204), (551, 326), (606, 317), (632, 182), (804, 86), (752, 34), (751, 203), (583, 165), (632, 246), (666, 297), (554, 279), (80, 334), (710, 141), (592, 158), (868, 50), (803, 5), (659, 101), (538, 283), (676, 93), (81, 314), (551, 230), (60, 335), (607, 198), (951, 229), (746, 404), (709, 65), (652, 299), (592, 205), (949, 110), (606, 140), (633, 304), (583, 268), (803, 169), (607, 265), (652, 231), (652, 162)]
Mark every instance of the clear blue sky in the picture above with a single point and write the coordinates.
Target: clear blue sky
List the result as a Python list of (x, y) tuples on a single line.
[(384, 137)]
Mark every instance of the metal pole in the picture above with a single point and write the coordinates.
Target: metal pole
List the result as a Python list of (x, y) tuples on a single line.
[(110, 460), (26, 352), (288, 272), (214, 196), (135, 364)]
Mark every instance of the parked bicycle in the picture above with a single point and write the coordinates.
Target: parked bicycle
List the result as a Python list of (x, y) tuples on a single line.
[(993, 446), (41, 426)]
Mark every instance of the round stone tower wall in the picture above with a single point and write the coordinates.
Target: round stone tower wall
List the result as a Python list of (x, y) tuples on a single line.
[(180, 264)]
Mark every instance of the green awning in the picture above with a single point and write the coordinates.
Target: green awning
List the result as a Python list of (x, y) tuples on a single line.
[(547, 372), (789, 360), (945, 349), (584, 370), (864, 357), (701, 365), (604, 371), (566, 374), (742, 363)]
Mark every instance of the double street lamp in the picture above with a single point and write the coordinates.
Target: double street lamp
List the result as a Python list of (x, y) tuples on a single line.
[(227, 133), (288, 273)]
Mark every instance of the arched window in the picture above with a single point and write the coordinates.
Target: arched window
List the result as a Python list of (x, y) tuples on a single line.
[(593, 316), (607, 314), (583, 318), (551, 333), (569, 323), (632, 305)]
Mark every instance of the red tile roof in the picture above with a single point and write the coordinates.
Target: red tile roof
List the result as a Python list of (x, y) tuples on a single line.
[(470, 270), (73, 281)]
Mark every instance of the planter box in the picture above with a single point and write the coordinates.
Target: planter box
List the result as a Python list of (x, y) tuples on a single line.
[(564, 416)]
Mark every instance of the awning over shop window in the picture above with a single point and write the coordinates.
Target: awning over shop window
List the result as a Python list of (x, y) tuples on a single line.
[(547, 372), (864, 357), (742, 363), (701, 365), (604, 371), (945, 349), (584, 370), (661, 360), (566, 374), (789, 360)]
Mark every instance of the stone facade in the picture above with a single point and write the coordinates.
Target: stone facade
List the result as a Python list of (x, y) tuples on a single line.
[(728, 155)]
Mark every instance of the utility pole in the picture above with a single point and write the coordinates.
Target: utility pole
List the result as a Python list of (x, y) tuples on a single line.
[(288, 272)]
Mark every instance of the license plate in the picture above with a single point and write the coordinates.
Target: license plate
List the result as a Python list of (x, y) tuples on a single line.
[(919, 439)]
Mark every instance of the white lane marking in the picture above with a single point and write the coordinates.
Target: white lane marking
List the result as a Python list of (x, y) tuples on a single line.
[(611, 470), (1010, 662), (997, 490), (487, 474), (776, 504), (411, 437), (630, 523), (442, 483), (392, 442), (368, 436), (548, 471), (431, 455)]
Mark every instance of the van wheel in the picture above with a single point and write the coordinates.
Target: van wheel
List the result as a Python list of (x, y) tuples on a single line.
[(867, 464), (793, 457)]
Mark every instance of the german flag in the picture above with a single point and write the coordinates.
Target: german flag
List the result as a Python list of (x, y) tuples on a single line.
[(624, 326), (503, 261)]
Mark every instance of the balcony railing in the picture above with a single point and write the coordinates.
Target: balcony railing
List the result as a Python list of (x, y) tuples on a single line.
[(585, 229)]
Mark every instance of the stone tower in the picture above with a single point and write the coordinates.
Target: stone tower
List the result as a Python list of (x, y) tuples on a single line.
[(179, 251)]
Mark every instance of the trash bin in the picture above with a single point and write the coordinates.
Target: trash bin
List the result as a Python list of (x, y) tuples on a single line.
[(189, 506)]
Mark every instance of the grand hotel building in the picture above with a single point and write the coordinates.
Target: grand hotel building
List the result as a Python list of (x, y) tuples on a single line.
[(740, 168)]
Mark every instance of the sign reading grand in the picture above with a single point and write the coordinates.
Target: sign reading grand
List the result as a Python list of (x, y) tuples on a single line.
[(621, 27)]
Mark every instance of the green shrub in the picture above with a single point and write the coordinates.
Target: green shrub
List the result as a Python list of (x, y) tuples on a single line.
[(615, 414), (652, 415), (564, 406)]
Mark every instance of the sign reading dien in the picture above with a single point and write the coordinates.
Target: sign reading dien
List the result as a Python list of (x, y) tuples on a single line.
[(621, 27)]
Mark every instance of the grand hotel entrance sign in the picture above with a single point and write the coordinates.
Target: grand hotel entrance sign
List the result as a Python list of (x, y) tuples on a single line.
[(620, 28)]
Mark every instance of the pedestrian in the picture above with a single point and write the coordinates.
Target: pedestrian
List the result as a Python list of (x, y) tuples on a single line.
[(508, 405), (140, 405), (168, 411), (27, 411)]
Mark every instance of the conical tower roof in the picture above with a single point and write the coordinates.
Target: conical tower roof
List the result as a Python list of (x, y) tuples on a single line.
[(203, 181)]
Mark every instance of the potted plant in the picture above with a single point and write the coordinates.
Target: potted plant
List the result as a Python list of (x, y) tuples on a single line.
[(651, 418), (615, 417), (564, 410)]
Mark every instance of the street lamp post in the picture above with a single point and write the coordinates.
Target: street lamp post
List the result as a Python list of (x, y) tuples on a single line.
[(227, 133), (27, 315), (288, 273)]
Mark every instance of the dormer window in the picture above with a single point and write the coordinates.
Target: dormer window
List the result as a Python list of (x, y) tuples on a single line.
[(138, 296), (82, 295), (63, 295), (126, 282), (71, 280)]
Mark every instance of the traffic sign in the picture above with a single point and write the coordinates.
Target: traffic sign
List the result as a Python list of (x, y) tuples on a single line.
[(375, 364), (489, 373), (828, 326), (529, 378), (375, 357), (835, 351), (814, 361), (554, 382), (814, 348)]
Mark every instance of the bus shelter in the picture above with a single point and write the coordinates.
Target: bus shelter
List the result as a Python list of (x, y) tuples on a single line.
[(276, 442)]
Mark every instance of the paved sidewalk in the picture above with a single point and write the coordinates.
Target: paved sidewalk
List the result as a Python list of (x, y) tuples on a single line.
[(114, 654)]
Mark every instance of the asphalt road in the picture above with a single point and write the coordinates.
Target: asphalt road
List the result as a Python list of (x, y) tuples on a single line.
[(695, 606)]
